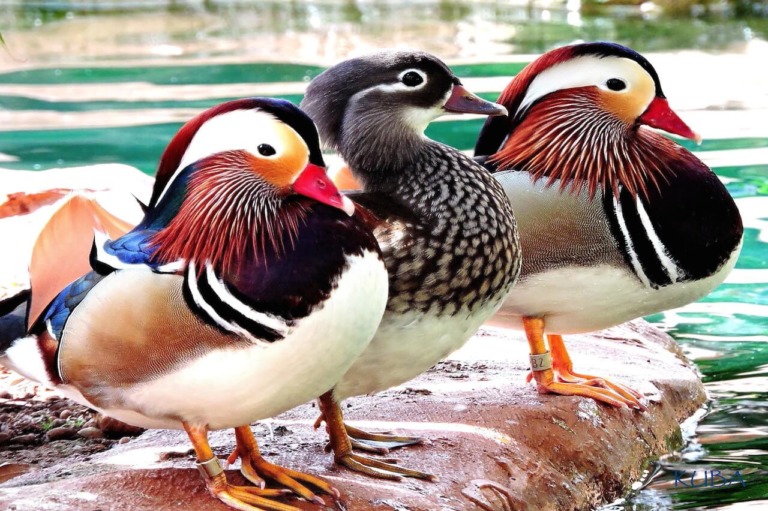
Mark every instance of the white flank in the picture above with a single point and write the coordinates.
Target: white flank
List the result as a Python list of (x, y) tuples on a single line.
[(25, 358), (405, 346), (218, 287), (231, 387), (671, 268), (576, 299), (628, 244)]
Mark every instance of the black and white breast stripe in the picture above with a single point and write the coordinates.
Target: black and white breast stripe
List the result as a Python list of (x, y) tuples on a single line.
[(212, 300), (643, 249)]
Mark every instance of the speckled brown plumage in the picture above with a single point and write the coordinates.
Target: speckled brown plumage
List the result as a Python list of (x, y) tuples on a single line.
[(458, 247)]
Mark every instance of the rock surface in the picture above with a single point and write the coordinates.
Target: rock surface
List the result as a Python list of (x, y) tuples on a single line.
[(495, 443)]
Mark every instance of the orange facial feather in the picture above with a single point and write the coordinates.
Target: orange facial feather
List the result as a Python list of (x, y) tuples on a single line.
[(230, 213), (570, 137)]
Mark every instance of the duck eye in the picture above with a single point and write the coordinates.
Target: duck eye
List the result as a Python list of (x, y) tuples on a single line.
[(412, 79), (266, 150), (615, 84)]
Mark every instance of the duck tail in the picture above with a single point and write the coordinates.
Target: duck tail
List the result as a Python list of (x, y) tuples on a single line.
[(13, 314), (61, 252)]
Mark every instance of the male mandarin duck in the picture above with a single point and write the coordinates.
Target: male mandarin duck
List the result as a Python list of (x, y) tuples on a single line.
[(444, 225), (616, 221), (248, 289)]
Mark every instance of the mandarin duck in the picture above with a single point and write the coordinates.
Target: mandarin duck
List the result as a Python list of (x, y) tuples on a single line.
[(248, 289), (444, 225), (616, 221)]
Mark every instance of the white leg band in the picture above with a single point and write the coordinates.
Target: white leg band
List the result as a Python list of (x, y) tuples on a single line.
[(541, 362), (210, 468)]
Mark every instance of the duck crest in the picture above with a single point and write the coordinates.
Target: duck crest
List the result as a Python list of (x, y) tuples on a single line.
[(569, 138), (512, 97), (173, 154), (227, 215)]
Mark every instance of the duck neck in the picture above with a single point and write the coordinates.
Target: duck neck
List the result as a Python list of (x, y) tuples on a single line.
[(380, 151)]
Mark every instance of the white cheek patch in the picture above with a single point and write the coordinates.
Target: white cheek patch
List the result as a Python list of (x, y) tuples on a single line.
[(585, 72), (232, 131), (419, 118)]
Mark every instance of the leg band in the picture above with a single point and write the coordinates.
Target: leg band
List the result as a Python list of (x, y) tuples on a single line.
[(210, 469), (541, 362)]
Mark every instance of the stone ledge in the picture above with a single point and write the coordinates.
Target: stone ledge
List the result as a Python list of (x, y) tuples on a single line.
[(496, 443)]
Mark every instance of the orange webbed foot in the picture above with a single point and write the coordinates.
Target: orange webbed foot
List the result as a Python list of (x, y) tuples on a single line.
[(553, 372), (255, 468), (243, 498), (341, 445)]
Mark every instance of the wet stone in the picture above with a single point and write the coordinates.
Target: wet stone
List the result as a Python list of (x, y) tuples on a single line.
[(4, 438), (61, 433), (114, 428), (65, 414), (27, 439), (90, 433)]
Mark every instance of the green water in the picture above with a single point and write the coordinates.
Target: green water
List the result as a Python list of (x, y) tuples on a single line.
[(726, 333)]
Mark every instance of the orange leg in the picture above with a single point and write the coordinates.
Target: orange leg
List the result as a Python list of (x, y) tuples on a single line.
[(547, 380), (563, 368), (377, 443), (244, 498), (342, 447), (255, 467)]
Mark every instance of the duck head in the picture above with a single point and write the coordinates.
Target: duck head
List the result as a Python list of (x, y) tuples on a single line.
[(228, 182), (578, 113), (374, 109)]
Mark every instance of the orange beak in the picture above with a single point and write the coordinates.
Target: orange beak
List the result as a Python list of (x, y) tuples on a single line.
[(314, 183), (660, 115)]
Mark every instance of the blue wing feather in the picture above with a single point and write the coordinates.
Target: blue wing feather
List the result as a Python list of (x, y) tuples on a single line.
[(132, 248), (67, 300)]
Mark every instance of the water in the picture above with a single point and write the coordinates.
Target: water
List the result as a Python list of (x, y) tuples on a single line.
[(84, 83)]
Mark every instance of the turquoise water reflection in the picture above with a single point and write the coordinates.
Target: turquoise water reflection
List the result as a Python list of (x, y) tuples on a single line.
[(94, 110)]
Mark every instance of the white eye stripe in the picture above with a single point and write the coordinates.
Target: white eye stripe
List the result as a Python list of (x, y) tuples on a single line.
[(583, 72), (390, 88), (231, 131)]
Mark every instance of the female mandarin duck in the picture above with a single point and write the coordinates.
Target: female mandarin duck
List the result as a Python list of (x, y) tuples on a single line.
[(247, 289), (616, 221), (444, 225)]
